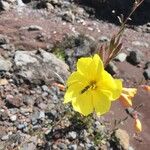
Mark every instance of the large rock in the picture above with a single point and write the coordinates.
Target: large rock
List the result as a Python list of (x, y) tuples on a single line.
[(40, 66)]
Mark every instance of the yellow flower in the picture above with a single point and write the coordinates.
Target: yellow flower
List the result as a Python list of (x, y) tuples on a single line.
[(126, 96), (138, 125), (91, 88)]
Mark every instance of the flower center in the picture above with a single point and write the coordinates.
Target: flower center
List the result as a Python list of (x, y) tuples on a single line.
[(91, 86)]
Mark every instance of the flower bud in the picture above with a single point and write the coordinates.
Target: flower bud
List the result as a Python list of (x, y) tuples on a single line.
[(138, 125)]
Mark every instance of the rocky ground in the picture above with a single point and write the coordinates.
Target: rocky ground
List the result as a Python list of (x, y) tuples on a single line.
[(40, 41)]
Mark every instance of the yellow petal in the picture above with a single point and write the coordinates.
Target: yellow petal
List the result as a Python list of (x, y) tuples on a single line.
[(73, 92), (83, 104), (76, 77), (84, 67), (101, 102), (110, 84), (90, 67), (99, 67)]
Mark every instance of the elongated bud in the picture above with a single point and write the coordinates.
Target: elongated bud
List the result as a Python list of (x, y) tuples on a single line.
[(146, 87), (138, 125)]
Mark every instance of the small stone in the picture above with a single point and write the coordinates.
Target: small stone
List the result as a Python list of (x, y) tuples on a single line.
[(62, 146), (147, 65), (104, 39), (135, 57), (3, 39), (5, 137), (121, 57), (13, 118), (112, 68), (72, 135), (4, 5), (49, 6), (123, 138), (5, 65), (41, 115), (42, 106), (68, 16), (14, 101), (72, 147), (37, 115), (22, 126), (130, 148), (146, 74), (45, 88)]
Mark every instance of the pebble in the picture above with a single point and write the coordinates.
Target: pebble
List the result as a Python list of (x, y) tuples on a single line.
[(72, 147), (21, 126), (121, 57), (146, 74), (135, 57), (13, 118), (72, 135), (112, 68), (45, 88), (5, 137), (3, 39), (104, 39), (147, 65)]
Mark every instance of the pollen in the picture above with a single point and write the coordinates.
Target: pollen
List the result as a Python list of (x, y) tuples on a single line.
[(93, 85)]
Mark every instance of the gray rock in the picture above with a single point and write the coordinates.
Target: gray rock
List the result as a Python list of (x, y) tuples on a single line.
[(5, 137), (72, 135), (131, 148), (135, 57), (123, 138), (29, 146), (146, 74), (112, 68), (13, 118), (38, 115), (62, 146), (40, 67), (4, 5), (3, 39), (72, 147), (22, 126), (147, 65), (45, 88), (5, 64), (49, 6), (104, 39), (121, 57), (68, 16)]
